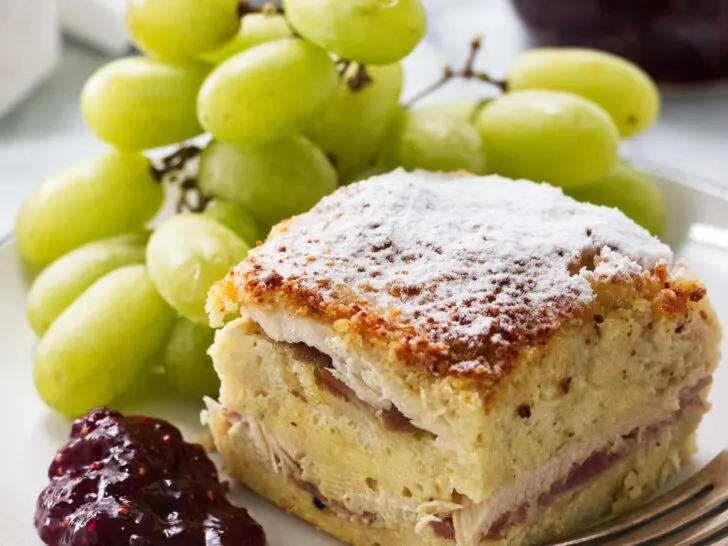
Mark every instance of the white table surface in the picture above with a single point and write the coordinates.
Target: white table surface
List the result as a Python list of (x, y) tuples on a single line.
[(47, 132)]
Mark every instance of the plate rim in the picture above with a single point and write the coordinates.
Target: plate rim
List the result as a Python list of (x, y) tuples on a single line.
[(693, 181), (5, 239)]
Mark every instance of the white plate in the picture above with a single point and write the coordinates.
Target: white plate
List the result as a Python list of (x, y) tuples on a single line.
[(30, 433)]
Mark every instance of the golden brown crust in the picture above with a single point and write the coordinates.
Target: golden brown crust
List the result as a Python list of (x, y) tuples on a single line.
[(454, 289)]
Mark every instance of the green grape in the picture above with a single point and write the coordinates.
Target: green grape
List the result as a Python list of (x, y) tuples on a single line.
[(623, 89), (236, 218), (138, 102), (149, 387), (188, 366), (100, 197), (634, 193), (434, 141), (69, 276), (186, 255), (256, 29), (272, 181), (94, 349), (548, 136), (464, 110), (351, 128), (267, 92), (374, 169), (177, 29), (365, 31)]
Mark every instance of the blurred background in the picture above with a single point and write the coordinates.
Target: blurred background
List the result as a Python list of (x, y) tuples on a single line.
[(49, 47)]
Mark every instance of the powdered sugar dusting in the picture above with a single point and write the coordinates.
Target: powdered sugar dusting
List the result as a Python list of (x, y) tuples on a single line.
[(470, 267), (612, 264)]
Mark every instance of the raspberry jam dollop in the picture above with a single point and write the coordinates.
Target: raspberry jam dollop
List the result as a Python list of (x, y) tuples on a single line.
[(133, 481)]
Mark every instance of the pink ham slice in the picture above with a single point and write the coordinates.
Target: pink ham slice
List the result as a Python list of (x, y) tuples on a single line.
[(391, 418), (586, 471)]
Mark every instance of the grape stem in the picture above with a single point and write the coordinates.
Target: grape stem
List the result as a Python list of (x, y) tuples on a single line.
[(245, 7), (191, 198), (360, 79), (172, 171), (467, 72), (175, 161), (356, 79)]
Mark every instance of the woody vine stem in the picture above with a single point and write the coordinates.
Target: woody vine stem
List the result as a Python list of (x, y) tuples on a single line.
[(467, 72)]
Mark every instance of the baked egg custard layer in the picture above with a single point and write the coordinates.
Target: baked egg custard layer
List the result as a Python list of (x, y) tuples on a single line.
[(458, 360)]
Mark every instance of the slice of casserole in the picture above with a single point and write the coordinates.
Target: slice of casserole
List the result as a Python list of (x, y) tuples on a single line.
[(436, 360)]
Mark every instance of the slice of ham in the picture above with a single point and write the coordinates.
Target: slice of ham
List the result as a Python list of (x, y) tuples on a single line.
[(391, 418), (444, 528), (589, 469), (313, 356)]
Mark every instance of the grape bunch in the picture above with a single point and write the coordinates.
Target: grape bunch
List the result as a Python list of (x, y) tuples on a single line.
[(297, 100)]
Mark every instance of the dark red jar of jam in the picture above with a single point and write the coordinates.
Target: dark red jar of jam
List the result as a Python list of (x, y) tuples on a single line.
[(673, 40)]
